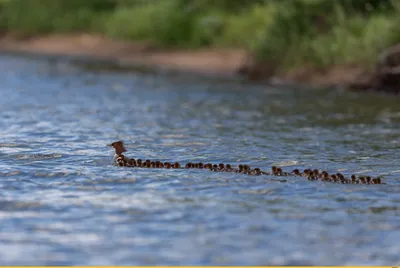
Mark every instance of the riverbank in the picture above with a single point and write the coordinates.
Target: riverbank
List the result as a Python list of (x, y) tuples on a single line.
[(222, 63), (314, 42)]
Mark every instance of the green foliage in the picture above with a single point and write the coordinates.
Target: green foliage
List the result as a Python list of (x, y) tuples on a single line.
[(246, 30), (43, 16), (324, 32), (287, 33), (159, 21)]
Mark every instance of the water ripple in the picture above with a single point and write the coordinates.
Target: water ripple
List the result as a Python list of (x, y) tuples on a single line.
[(63, 203)]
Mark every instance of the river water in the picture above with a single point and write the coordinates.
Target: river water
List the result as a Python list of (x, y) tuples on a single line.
[(63, 203)]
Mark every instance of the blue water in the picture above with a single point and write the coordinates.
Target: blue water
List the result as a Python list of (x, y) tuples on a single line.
[(62, 202)]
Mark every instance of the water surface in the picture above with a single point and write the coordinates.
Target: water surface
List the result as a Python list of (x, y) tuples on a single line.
[(63, 203)]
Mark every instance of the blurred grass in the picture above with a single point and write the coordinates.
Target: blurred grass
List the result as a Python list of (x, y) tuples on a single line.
[(287, 33)]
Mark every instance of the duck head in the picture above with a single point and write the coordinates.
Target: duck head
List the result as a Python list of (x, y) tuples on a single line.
[(118, 146)]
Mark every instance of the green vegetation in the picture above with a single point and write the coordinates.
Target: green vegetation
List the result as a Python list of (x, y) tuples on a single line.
[(287, 33)]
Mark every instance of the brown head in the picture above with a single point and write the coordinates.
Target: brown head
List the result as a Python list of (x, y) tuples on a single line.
[(118, 146), (274, 169), (221, 166), (296, 172), (132, 162)]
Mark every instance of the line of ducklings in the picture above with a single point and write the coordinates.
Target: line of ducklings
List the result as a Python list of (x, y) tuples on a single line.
[(245, 169)]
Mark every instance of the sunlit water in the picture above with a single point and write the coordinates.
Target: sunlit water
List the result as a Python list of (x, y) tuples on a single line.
[(62, 202)]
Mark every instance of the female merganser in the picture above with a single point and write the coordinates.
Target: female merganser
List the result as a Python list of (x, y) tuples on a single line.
[(119, 158)]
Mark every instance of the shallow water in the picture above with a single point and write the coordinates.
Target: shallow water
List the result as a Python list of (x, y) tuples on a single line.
[(62, 202)]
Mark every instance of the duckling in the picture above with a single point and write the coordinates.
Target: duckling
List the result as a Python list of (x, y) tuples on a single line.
[(132, 162), (221, 167), (325, 176), (274, 170), (240, 169), (368, 180), (296, 172), (120, 161), (377, 180), (306, 173), (153, 164), (281, 173), (257, 171), (362, 179), (354, 179), (215, 167), (167, 165), (246, 169), (139, 162), (176, 165), (188, 165), (228, 168), (201, 165)]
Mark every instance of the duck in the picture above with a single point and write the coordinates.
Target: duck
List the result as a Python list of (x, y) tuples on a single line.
[(221, 167), (118, 158), (257, 171), (228, 168), (296, 172), (188, 165)]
